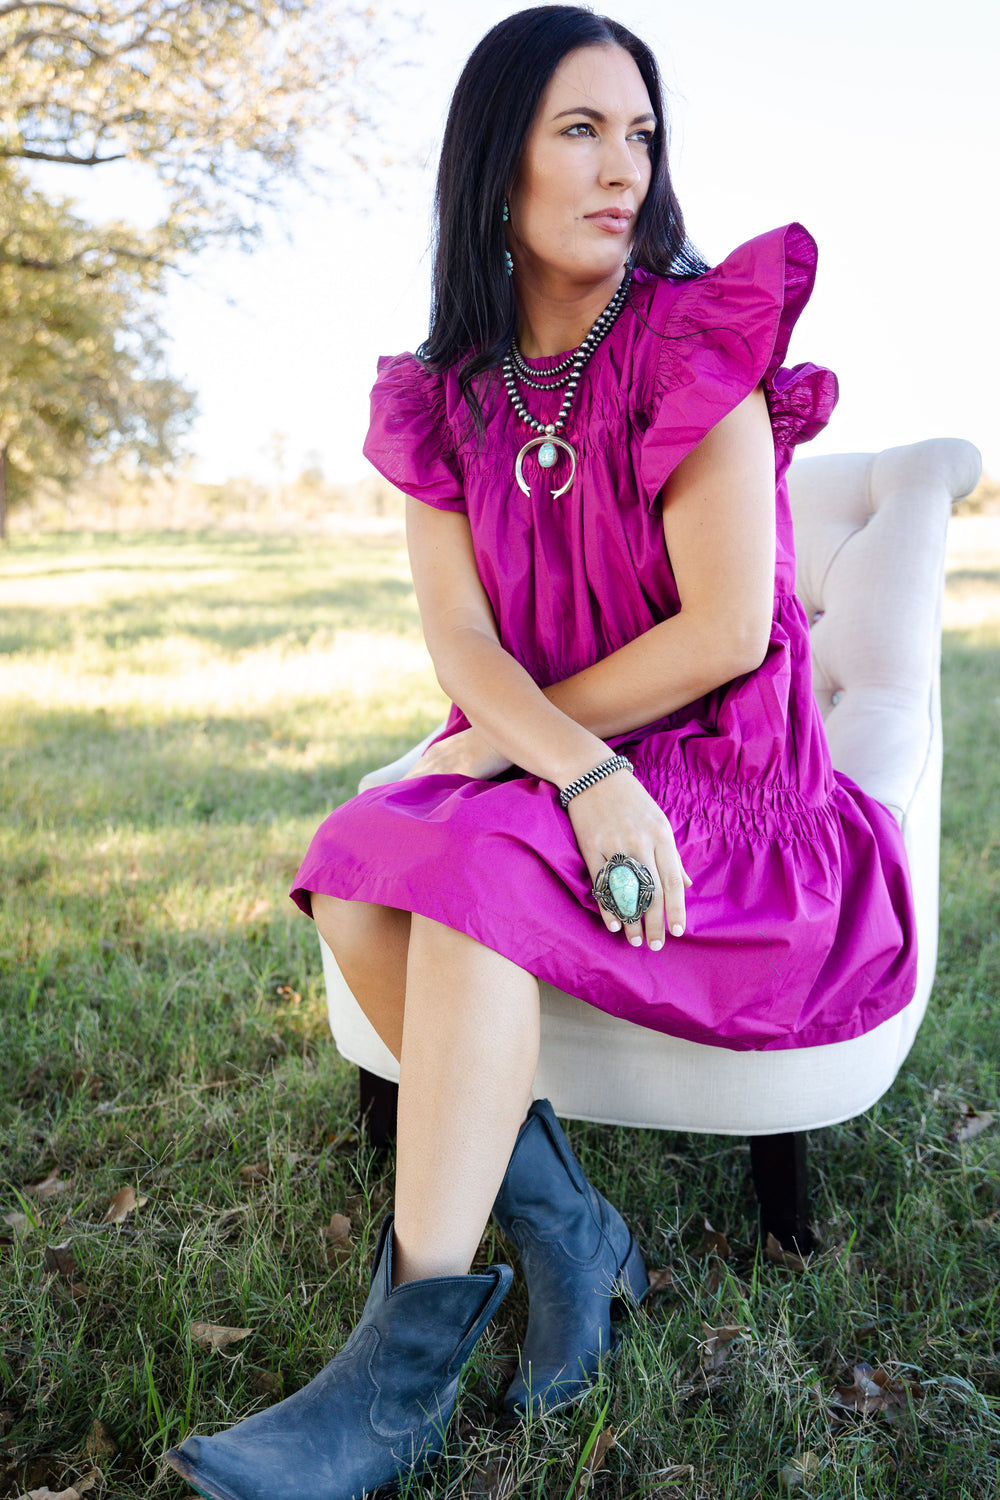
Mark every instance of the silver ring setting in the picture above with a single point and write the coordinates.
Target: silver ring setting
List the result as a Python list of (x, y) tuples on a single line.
[(624, 887)]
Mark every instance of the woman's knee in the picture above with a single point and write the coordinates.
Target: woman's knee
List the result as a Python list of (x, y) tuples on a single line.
[(359, 929)]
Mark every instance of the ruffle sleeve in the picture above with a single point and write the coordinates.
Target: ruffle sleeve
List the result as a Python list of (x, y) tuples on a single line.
[(722, 335), (409, 438)]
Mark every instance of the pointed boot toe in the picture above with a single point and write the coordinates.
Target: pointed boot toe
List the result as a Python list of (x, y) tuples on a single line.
[(582, 1266), (377, 1412)]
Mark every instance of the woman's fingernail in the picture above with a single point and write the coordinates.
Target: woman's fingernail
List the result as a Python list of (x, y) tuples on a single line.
[(636, 941), (656, 944), (677, 930), (614, 927)]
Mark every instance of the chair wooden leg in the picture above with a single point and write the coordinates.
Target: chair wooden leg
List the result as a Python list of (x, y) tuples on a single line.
[(778, 1166), (377, 1099)]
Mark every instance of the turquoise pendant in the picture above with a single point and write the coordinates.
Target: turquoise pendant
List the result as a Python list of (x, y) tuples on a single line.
[(549, 449)]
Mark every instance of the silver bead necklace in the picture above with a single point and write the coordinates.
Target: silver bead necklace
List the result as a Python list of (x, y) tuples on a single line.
[(547, 439), (542, 380)]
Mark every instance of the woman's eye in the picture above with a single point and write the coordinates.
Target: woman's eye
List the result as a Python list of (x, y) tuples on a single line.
[(645, 136), (582, 126)]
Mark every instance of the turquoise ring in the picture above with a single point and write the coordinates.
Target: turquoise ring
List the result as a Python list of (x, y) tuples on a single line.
[(624, 887)]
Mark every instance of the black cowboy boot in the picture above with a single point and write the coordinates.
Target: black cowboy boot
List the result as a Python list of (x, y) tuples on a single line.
[(580, 1262), (377, 1412)]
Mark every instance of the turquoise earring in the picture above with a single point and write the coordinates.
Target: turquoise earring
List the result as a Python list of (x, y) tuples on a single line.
[(507, 260)]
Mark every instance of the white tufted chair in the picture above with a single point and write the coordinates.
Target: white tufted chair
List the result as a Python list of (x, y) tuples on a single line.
[(870, 543)]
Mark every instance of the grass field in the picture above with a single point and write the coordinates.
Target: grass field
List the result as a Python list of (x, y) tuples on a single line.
[(178, 712)]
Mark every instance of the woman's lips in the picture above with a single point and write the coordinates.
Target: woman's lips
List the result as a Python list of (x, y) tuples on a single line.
[(611, 221)]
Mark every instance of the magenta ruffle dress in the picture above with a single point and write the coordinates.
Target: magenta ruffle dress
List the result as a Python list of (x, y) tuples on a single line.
[(800, 921)]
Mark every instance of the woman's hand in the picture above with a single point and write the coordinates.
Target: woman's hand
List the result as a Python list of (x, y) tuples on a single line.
[(463, 754), (618, 816)]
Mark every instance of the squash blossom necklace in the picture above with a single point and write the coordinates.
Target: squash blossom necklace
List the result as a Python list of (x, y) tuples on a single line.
[(567, 373)]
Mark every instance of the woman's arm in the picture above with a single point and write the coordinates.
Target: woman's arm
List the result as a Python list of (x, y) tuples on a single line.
[(718, 521), (513, 720)]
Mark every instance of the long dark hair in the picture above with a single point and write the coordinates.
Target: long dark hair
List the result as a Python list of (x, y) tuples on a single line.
[(472, 298)]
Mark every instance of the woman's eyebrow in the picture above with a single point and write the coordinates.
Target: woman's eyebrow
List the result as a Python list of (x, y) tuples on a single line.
[(595, 114)]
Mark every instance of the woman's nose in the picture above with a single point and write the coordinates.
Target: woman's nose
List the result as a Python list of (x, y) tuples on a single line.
[(619, 167)]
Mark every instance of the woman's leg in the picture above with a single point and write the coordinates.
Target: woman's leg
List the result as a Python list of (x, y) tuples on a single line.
[(370, 945), (464, 1023), (470, 1049)]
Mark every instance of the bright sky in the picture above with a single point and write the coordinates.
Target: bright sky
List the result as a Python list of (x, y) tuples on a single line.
[(873, 122)]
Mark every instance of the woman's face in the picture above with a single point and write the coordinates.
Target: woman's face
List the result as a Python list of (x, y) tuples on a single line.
[(585, 168)]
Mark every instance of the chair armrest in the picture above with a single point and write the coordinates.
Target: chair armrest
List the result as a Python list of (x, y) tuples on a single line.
[(398, 768), (870, 538)]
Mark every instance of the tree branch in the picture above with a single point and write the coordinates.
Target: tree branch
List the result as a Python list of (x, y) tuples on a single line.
[(24, 39), (64, 157), (118, 252), (15, 5)]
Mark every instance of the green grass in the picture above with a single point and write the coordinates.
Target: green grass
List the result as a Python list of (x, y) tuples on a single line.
[(179, 711)]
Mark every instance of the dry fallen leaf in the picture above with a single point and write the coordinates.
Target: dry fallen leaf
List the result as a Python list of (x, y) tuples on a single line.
[(215, 1336), (659, 1280), (494, 1480), (257, 1171), (875, 1390), (19, 1222), (673, 1474), (715, 1345), (81, 1079), (122, 1204), (101, 1442), (715, 1243), (719, 1275), (300, 1161), (59, 1259), (337, 1235), (52, 1186), (969, 1124), (595, 1462), (775, 1251), (802, 1467), (59, 1263), (75, 1491), (339, 1228), (265, 1384), (290, 996)]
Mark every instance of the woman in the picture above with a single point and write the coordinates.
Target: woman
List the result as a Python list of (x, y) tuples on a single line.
[(594, 440)]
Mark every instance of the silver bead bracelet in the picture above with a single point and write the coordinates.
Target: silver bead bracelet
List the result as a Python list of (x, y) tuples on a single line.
[(607, 768)]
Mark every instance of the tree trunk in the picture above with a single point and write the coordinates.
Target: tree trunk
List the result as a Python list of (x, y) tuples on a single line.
[(3, 493)]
